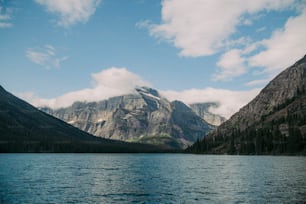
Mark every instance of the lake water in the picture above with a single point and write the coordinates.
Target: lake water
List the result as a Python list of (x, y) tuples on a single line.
[(151, 178)]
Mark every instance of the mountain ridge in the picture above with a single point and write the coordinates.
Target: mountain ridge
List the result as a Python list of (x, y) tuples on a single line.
[(145, 116), (273, 122), (23, 128)]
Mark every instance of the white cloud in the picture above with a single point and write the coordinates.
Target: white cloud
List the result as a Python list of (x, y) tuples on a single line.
[(285, 46), (45, 57), (107, 83), (202, 27), (5, 17), (229, 101), (70, 12), (258, 82), (33, 99), (231, 64)]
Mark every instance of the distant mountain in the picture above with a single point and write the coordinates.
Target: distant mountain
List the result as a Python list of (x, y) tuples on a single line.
[(202, 110), (143, 117), (272, 123), (24, 128)]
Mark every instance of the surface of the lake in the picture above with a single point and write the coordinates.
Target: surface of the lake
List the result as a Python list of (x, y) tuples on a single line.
[(151, 178)]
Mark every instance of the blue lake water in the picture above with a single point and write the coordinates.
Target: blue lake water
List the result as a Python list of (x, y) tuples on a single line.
[(151, 178)]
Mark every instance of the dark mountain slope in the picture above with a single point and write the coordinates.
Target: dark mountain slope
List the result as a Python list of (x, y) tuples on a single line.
[(24, 128), (273, 123)]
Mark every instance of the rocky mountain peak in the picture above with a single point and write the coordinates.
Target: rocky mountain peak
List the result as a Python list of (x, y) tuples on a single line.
[(144, 116), (180, 106), (151, 97), (147, 91)]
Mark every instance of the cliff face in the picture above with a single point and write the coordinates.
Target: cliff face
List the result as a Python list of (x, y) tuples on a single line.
[(141, 117), (273, 122), (202, 110)]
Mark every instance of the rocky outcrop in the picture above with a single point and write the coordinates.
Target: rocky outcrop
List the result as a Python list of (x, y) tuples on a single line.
[(203, 110), (273, 122), (141, 117)]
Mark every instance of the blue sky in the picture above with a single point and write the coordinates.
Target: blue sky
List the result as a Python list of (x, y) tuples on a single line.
[(54, 52)]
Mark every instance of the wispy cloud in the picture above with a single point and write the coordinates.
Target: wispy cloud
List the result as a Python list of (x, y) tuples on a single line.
[(5, 17), (70, 12), (258, 82), (5, 25), (45, 56), (261, 29)]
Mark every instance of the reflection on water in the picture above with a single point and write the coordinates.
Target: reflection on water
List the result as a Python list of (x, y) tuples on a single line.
[(151, 178)]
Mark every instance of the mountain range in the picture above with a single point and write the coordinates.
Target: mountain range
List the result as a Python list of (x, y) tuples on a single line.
[(274, 122), (24, 128), (143, 116)]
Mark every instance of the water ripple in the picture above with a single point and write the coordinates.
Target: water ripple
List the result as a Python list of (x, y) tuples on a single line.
[(151, 178)]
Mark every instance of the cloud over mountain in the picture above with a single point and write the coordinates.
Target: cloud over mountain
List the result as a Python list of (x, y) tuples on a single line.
[(229, 101), (107, 83), (119, 81)]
